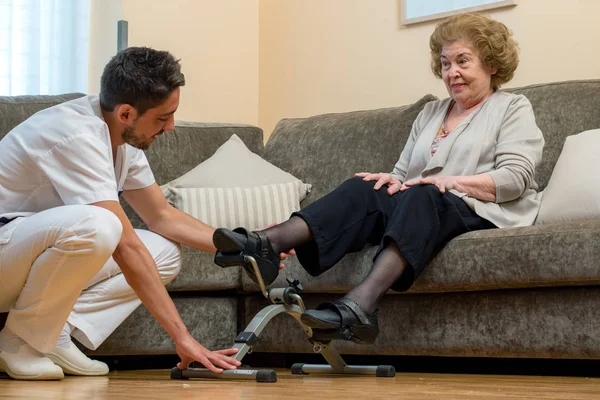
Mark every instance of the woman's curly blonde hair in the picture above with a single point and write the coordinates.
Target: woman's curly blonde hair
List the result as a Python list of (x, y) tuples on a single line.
[(492, 40)]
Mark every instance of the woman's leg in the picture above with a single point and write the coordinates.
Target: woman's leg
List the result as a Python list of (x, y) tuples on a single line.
[(344, 221), (423, 220), (341, 222), (389, 266)]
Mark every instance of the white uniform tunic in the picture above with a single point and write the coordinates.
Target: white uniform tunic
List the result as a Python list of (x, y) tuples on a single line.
[(56, 259)]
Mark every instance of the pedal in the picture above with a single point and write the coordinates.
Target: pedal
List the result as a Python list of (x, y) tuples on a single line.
[(325, 335), (226, 260)]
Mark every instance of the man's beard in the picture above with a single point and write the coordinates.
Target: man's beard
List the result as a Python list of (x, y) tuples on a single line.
[(131, 139)]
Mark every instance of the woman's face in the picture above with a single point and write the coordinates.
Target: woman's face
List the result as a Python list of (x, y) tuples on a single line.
[(467, 79)]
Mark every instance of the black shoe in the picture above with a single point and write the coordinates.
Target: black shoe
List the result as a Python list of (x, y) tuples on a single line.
[(256, 245), (345, 317)]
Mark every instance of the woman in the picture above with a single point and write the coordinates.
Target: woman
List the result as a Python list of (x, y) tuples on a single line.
[(469, 164)]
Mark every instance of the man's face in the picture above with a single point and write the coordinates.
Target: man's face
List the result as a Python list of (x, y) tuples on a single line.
[(144, 129)]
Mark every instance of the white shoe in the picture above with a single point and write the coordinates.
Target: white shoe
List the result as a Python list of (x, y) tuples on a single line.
[(74, 362), (29, 364)]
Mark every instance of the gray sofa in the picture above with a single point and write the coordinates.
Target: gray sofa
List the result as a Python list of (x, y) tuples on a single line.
[(523, 292)]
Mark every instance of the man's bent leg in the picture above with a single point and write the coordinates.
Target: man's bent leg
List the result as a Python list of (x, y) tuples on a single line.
[(109, 299), (44, 267)]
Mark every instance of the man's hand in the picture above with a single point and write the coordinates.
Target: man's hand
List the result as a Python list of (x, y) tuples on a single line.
[(190, 350), (443, 183), (382, 178)]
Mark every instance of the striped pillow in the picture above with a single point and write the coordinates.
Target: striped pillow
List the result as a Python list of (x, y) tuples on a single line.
[(253, 208)]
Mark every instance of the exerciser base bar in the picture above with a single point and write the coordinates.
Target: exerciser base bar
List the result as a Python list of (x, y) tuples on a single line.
[(284, 300)]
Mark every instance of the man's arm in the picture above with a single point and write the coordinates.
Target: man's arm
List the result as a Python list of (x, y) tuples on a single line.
[(164, 219), (141, 274)]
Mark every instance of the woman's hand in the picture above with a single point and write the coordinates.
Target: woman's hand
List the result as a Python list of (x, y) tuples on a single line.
[(443, 183), (382, 178), (481, 187)]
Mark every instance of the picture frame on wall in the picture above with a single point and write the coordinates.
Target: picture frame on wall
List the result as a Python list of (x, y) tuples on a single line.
[(415, 11)]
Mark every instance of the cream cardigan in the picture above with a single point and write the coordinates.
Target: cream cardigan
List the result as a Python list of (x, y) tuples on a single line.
[(500, 138)]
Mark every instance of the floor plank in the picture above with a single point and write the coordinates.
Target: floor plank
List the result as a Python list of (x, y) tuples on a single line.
[(156, 384)]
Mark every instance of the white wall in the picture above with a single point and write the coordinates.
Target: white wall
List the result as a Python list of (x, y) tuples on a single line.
[(319, 56)]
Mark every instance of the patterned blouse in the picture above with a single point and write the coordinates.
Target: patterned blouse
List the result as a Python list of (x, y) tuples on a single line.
[(441, 135)]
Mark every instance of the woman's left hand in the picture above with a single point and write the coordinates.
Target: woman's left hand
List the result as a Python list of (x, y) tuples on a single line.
[(443, 183)]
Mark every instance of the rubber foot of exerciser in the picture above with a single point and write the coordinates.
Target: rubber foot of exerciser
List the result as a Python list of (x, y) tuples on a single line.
[(176, 373), (297, 369), (266, 375), (386, 371)]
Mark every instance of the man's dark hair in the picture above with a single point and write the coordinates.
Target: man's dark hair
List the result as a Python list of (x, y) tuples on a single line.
[(141, 77)]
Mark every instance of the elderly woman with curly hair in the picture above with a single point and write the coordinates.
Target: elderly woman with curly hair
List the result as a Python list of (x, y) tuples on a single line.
[(469, 164)]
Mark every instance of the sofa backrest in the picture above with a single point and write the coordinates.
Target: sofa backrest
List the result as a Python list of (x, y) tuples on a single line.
[(562, 109), (16, 109), (324, 150), (171, 156)]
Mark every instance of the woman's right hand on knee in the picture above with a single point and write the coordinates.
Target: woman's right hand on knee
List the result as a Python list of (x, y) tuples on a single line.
[(382, 178)]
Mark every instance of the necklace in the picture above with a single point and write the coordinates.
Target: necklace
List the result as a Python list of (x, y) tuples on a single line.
[(443, 127)]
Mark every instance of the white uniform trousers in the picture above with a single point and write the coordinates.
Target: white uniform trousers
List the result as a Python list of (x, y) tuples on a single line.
[(57, 265)]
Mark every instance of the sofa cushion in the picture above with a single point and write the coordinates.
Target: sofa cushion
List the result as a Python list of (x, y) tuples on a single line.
[(545, 255), (200, 273), (527, 323), (573, 192), (325, 150), (210, 320)]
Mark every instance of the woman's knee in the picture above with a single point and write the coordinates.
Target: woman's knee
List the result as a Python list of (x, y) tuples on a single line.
[(357, 185), (420, 192)]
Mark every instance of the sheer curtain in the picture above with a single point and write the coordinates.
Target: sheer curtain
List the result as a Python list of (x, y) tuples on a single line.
[(43, 46)]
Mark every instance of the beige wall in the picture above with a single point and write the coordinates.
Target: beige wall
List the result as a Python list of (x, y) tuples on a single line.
[(257, 61), (319, 56), (217, 42), (104, 15)]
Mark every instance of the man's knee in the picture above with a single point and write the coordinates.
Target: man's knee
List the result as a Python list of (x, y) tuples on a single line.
[(95, 228), (169, 264)]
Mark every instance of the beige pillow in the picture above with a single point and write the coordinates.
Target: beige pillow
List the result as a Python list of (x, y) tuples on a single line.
[(573, 192), (252, 208), (233, 165), (236, 187)]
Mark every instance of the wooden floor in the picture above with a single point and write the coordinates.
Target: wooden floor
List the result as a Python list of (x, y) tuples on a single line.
[(156, 384)]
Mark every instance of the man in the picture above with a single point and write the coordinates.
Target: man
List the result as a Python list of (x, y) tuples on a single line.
[(71, 264)]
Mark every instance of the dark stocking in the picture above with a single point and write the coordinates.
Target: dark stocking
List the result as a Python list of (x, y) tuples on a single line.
[(388, 267)]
